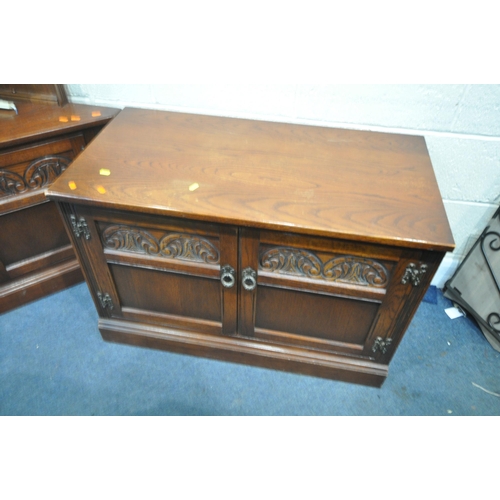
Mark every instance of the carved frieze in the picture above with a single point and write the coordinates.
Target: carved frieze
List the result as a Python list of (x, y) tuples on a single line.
[(172, 246), (345, 268), (38, 174)]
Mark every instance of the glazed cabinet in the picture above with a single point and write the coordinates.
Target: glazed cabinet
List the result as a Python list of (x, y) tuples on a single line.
[(282, 246)]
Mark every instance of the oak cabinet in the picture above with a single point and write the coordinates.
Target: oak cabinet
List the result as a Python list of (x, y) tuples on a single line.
[(37, 144), (205, 236)]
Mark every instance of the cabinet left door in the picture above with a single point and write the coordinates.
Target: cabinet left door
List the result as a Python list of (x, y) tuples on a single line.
[(157, 271)]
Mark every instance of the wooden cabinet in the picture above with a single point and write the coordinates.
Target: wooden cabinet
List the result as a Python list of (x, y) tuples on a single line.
[(37, 144), (278, 245)]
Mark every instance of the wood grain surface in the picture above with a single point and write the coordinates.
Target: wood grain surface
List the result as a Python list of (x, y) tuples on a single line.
[(38, 120), (356, 185)]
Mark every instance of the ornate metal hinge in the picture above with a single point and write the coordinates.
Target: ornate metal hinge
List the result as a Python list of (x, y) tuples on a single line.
[(381, 345), (413, 274), (80, 227), (105, 300)]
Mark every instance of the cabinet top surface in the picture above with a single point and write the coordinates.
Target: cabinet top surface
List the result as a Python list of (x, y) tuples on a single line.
[(357, 185), (37, 120)]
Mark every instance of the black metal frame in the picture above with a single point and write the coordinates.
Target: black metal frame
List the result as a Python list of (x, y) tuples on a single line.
[(492, 322)]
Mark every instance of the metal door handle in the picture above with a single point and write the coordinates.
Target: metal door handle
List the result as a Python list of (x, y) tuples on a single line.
[(227, 276), (249, 279)]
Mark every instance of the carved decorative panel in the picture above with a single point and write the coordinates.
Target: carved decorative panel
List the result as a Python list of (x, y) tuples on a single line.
[(173, 245), (345, 268), (38, 174)]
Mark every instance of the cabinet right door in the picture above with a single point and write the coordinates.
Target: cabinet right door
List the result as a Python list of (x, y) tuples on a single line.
[(328, 295)]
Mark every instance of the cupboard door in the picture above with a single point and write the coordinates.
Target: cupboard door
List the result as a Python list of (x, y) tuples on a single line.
[(323, 294), (159, 270)]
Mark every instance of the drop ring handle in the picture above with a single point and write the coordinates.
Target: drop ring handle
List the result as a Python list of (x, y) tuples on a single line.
[(227, 276), (249, 279)]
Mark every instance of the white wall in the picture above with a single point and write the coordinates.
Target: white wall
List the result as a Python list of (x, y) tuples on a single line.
[(461, 124)]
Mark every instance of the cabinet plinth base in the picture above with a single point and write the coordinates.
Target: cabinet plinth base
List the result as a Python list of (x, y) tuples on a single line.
[(245, 351)]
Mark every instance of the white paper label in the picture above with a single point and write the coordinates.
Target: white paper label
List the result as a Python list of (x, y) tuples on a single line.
[(453, 313)]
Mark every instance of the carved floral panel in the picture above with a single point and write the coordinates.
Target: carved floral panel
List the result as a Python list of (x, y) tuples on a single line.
[(171, 246), (344, 268), (38, 174)]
